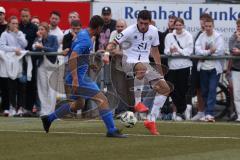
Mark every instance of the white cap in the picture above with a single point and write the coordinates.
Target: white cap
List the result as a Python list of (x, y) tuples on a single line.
[(2, 9)]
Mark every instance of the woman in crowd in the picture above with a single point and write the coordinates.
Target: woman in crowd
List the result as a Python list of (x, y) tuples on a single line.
[(13, 40), (46, 65), (179, 42)]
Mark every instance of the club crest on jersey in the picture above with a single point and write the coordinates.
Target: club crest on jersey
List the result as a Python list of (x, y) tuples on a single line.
[(119, 36), (135, 37)]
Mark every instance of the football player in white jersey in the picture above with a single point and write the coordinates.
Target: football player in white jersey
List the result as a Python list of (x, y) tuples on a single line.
[(137, 42)]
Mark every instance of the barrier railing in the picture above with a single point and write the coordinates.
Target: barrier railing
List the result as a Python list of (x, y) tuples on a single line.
[(212, 57)]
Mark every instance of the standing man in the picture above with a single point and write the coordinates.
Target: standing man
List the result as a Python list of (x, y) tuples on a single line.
[(138, 41), (72, 16), (80, 85), (109, 26), (234, 67), (162, 36), (30, 30), (4, 80), (195, 76), (72, 34), (54, 29), (3, 22), (209, 43)]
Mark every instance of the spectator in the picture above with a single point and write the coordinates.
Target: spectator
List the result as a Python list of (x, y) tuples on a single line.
[(179, 42), (30, 30), (109, 26), (162, 36), (3, 22), (13, 40), (120, 26), (35, 20), (71, 36), (210, 43), (54, 29), (118, 74), (46, 65), (195, 76), (234, 66), (71, 17), (3, 80)]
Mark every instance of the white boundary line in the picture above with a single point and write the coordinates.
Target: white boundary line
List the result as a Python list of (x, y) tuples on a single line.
[(133, 135)]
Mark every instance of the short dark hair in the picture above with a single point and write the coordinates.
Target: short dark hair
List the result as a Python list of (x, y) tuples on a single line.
[(172, 17), (25, 9), (56, 13), (145, 15), (205, 15), (76, 23), (95, 22), (209, 19)]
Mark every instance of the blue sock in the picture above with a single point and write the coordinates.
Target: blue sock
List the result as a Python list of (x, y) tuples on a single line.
[(107, 118), (60, 112)]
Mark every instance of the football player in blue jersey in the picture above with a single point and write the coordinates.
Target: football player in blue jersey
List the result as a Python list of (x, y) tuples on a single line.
[(80, 85)]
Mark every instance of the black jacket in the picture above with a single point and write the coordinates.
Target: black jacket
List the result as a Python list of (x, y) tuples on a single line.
[(30, 31)]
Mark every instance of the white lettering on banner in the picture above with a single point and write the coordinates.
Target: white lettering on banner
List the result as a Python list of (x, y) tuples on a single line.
[(225, 15)]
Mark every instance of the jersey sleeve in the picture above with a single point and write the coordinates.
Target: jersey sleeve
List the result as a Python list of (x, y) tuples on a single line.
[(121, 37), (155, 41)]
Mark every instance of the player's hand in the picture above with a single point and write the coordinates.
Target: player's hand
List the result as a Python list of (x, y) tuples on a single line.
[(106, 58), (75, 85)]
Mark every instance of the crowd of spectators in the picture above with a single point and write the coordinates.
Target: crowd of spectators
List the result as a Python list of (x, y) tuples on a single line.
[(34, 96)]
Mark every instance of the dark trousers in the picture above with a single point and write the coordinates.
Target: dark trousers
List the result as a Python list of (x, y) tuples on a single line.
[(4, 93), (179, 78), (17, 92)]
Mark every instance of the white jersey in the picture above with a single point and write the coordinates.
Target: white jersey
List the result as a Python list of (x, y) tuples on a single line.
[(136, 45)]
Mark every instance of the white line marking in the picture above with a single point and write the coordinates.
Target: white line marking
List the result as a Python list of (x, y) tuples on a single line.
[(134, 135)]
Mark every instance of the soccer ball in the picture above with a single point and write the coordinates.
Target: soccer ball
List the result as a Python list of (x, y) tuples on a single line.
[(128, 119)]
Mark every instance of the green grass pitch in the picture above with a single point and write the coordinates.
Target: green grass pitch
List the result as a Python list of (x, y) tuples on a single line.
[(24, 139)]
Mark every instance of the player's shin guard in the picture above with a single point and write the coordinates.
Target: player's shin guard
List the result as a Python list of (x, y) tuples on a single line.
[(107, 117), (158, 103), (138, 87), (60, 112)]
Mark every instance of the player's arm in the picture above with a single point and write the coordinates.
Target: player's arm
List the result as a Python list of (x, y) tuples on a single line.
[(157, 58), (73, 69)]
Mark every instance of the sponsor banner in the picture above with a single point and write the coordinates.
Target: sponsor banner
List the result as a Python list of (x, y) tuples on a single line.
[(43, 10), (225, 15)]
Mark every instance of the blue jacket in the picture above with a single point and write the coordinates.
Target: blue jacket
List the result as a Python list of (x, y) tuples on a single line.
[(50, 45)]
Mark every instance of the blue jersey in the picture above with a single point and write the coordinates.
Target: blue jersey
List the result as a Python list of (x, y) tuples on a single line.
[(82, 45)]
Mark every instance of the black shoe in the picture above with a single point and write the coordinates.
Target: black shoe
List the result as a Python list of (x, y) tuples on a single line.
[(116, 134), (46, 123)]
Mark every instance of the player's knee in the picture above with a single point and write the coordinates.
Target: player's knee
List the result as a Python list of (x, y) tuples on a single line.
[(101, 100), (140, 70), (162, 87)]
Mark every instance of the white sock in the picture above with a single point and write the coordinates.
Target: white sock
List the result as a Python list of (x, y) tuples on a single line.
[(158, 103), (138, 87)]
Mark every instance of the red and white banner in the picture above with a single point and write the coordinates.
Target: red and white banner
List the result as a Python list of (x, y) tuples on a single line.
[(43, 10)]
